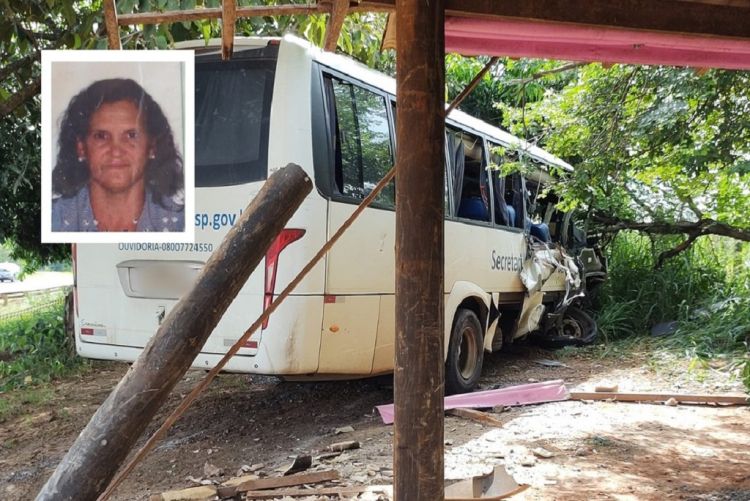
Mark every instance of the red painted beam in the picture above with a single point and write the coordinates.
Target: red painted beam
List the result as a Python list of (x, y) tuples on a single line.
[(520, 38)]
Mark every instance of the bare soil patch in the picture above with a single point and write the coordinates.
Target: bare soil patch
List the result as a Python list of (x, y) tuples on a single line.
[(600, 450)]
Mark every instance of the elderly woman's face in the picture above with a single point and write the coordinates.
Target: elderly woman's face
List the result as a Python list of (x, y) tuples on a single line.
[(116, 147)]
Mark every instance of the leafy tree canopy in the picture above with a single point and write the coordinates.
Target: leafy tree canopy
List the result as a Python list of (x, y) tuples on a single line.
[(659, 149)]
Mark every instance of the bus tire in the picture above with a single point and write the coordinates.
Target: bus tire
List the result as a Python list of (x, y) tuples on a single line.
[(577, 328), (465, 353)]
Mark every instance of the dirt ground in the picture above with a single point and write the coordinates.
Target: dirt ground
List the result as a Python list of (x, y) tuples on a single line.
[(600, 450)]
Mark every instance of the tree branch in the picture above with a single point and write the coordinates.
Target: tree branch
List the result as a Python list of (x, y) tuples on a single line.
[(702, 227), (9, 106), (12, 68), (542, 74), (693, 230), (676, 250)]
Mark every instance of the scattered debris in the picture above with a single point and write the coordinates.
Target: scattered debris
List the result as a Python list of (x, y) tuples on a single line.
[(662, 397), (550, 363), (495, 485), (664, 329), (671, 402), (343, 446), (203, 493), (606, 387), (541, 452), (527, 460), (474, 415), (335, 492), (236, 481), (343, 429), (210, 470), (301, 463), (328, 455), (535, 393), (277, 482)]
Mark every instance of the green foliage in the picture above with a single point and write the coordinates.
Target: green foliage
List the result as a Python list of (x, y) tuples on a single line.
[(20, 190), (510, 84), (35, 348), (26, 28), (704, 289), (649, 143)]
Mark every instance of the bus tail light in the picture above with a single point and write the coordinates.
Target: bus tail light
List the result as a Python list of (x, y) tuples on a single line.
[(286, 237)]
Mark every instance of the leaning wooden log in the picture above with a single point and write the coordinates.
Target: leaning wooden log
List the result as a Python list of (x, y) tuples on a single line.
[(103, 445)]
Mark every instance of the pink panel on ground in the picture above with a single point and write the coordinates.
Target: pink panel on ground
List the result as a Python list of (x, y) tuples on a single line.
[(516, 38), (534, 393)]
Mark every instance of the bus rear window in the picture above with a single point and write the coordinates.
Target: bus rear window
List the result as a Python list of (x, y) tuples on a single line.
[(232, 108)]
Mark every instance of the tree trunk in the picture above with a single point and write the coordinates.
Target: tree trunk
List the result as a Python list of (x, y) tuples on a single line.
[(100, 449)]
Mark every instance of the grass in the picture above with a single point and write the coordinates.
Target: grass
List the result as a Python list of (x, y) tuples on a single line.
[(705, 290), (34, 349), (14, 402)]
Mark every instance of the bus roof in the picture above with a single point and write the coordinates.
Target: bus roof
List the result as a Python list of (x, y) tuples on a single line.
[(387, 84)]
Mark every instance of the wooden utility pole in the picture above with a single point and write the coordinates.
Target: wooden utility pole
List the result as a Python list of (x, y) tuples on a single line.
[(420, 160), (103, 445)]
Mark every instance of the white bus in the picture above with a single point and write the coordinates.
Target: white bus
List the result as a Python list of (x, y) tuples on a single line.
[(279, 101)]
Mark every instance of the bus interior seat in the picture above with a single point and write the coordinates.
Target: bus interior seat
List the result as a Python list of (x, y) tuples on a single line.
[(539, 230), (473, 208)]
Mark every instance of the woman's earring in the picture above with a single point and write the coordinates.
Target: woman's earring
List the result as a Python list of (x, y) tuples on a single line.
[(151, 155), (81, 159)]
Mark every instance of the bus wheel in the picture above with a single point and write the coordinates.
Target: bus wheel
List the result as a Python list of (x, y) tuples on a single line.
[(577, 328), (465, 353)]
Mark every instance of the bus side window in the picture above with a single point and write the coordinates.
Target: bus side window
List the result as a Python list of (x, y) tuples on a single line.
[(363, 142), (469, 176)]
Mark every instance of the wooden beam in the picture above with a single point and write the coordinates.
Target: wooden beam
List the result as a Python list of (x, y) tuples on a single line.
[(475, 415), (110, 21), (215, 13), (103, 445), (339, 9), (228, 18), (669, 16), (661, 397), (420, 159)]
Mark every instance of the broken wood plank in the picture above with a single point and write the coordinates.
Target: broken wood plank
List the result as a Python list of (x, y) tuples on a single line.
[(475, 415), (202, 493), (276, 482), (661, 397), (386, 490), (343, 446)]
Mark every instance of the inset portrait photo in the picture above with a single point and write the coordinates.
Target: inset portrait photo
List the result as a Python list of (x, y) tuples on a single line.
[(117, 146)]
